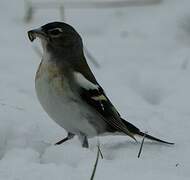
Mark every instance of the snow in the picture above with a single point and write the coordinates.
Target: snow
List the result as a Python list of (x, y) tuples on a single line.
[(145, 70)]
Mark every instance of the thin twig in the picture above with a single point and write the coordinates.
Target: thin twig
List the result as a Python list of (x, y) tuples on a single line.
[(96, 4), (29, 11), (96, 163), (62, 12), (140, 150), (33, 6), (100, 152)]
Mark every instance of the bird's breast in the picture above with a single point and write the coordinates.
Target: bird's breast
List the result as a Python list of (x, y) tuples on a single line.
[(50, 79), (58, 100), (64, 106), (52, 89)]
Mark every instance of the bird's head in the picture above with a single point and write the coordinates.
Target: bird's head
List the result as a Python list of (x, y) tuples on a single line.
[(58, 38)]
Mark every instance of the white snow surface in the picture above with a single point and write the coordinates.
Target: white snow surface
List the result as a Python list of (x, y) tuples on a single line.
[(144, 54)]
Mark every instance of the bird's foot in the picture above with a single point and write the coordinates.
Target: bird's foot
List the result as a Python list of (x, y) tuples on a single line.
[(69, 136)]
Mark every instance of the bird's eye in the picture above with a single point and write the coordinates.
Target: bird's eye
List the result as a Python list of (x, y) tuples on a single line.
[(55, 32)]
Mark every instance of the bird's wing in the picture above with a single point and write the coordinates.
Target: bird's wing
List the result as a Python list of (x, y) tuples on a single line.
[(93, 94)]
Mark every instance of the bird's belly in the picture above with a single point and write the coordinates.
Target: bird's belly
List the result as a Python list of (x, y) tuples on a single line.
[(57, 100)]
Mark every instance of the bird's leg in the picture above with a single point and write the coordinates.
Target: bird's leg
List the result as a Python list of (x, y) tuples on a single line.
[(84, 140), (69, 136)]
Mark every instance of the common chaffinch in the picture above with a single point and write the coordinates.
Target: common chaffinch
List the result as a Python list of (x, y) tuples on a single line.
[(68, 90)]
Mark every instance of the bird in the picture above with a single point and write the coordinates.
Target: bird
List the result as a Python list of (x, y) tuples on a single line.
[(69, 92)]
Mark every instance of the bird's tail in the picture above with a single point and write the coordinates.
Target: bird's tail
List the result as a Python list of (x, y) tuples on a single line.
[(134, 130)]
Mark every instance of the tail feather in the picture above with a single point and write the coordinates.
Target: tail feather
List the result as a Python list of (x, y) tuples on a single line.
[(134, 130)]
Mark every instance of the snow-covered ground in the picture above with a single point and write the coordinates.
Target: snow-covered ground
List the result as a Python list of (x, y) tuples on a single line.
[(144, 54)]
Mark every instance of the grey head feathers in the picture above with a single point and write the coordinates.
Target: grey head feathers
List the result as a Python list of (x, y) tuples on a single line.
[(59, 39)]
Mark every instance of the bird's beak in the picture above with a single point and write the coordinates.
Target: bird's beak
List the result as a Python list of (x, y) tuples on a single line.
[(32, 34)]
